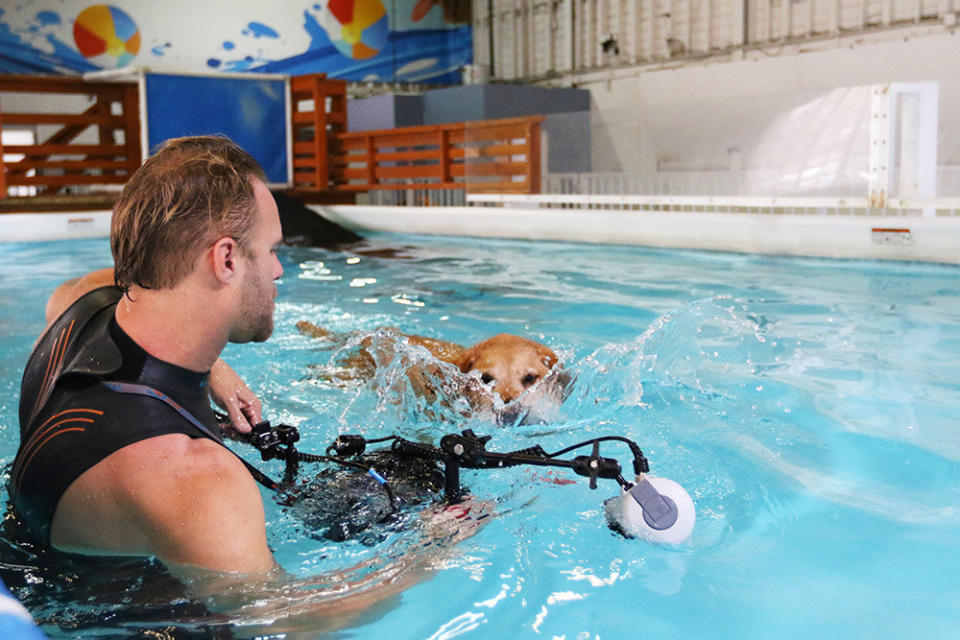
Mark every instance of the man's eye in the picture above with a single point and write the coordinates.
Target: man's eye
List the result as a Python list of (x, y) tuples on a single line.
[(529, 379), (486, 378)]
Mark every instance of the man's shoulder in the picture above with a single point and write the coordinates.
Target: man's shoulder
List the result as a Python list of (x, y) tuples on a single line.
[(157, 479), (178, 454), (171, 496)]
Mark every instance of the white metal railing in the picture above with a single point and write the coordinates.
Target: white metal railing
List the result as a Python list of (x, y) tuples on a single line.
[(704, 183), (413, 197)]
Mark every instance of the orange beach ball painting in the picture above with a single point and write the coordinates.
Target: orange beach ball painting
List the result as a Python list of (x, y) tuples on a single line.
[(106, 36)]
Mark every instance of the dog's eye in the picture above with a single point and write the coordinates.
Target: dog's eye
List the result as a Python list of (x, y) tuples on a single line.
[(529, 379), (486, 378)]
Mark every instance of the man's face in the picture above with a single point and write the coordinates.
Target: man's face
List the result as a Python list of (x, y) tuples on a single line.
[(258, 288)]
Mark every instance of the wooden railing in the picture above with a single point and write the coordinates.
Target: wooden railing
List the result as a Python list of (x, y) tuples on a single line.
[(319, 113), (483, 156), (59, 160), (328, 162)]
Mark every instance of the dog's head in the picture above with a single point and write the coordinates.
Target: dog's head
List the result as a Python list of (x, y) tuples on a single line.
[(514, 367)]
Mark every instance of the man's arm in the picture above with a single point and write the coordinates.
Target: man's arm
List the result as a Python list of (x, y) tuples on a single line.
[(323, 603), (189, 502), (206, 512), (196, 508)]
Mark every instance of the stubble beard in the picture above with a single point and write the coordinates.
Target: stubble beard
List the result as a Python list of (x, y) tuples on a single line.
[(256, 323)]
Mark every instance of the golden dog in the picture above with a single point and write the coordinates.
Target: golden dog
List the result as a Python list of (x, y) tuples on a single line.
[(525, 375)]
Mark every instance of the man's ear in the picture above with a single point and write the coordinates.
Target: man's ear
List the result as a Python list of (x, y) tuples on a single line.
[(223, 255)]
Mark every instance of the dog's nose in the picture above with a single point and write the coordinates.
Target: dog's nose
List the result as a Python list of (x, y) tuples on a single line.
[(507, 394)]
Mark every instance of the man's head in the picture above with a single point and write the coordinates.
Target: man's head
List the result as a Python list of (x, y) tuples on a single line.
[(201, 203), (187, 195)]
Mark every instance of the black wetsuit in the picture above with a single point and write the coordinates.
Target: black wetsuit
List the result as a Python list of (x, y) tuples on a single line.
[(70, 419)]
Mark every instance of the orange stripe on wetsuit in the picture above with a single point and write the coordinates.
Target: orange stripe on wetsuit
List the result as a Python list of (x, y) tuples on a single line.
[(30, 448), (56, 355)]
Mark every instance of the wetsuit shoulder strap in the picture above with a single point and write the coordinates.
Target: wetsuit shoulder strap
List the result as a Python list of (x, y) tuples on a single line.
[(76, 342), (143, 390)]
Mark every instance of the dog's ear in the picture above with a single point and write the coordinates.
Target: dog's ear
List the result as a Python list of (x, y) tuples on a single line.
[(547, 356), (466, 360)]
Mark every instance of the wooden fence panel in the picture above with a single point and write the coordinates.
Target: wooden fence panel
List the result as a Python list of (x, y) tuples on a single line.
[(57, 161), (482, 156), (490, 155)]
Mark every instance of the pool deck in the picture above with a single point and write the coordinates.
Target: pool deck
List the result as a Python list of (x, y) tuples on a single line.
[(881, 237)]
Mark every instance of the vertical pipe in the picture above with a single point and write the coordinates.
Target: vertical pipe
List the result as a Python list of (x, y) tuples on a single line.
[(573, 36), (745, 33), (288, 114), (707, 28), (493, 70), (144, 120)]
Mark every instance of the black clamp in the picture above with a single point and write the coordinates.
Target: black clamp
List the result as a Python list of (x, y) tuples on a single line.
[(595, 466), (269, 440)]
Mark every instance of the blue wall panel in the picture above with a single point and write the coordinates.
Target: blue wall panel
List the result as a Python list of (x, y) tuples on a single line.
[(251, 112)]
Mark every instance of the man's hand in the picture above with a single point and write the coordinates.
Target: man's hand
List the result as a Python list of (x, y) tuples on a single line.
[(233, 396), (449, 524)]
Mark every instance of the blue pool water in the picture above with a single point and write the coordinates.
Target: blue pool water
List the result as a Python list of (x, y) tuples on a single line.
[(810, 407)]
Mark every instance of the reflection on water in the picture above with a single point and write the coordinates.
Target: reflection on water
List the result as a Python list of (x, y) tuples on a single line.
[(81, 596)]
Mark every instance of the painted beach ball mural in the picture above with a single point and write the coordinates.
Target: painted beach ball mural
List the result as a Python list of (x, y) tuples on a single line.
[(357, 28), (106, 36)]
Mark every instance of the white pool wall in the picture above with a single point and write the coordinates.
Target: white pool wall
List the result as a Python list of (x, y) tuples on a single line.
[(32, 227), (928, 239)]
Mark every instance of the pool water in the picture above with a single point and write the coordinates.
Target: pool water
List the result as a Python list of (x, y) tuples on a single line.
[(810, 407)]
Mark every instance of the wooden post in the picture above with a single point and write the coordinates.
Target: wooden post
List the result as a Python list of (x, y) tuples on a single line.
[(131, 127), (335, 121), (3, 166), (371, 162), (533, 157), (445, 156), (320, 148)]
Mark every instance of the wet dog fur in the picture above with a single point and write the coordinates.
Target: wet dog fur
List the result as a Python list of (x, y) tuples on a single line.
[(510, 366)]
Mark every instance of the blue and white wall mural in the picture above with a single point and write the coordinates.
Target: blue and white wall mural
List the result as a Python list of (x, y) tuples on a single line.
[(362, 40)]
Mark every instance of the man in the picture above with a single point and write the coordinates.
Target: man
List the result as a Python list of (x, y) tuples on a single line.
[(103, 470), (120, 453)]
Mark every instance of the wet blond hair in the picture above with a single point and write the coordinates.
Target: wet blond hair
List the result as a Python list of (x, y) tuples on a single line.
[(191, 192)]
